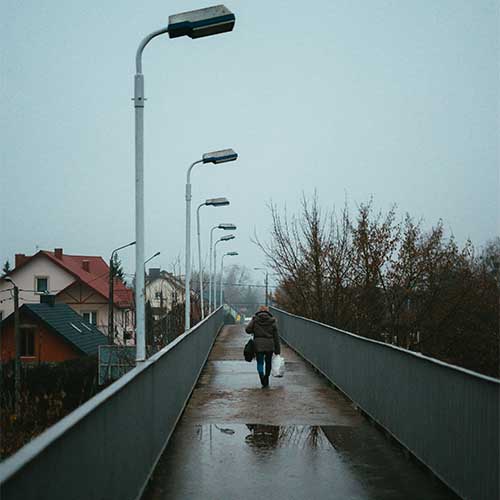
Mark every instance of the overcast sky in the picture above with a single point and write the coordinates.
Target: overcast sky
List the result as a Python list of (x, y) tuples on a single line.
[(398, 100)]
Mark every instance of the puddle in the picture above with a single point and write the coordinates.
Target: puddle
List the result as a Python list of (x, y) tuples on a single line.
[(229, 461), (264, 437)]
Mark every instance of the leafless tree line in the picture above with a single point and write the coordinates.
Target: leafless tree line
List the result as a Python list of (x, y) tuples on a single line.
[(388, 279)]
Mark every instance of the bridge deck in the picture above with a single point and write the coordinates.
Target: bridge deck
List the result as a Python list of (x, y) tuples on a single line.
[(298, 439)]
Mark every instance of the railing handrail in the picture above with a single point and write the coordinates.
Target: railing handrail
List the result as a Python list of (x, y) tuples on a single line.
[(445, 415), (397, 348), (13, 464)]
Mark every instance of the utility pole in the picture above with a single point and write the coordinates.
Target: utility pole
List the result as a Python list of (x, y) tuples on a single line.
[(111, 316), (267, 286), (267, 281), (17, 341), (17, 366)]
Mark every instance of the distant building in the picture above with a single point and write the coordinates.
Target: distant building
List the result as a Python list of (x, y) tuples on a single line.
[(163, 290), (79, 281), (50, 333)]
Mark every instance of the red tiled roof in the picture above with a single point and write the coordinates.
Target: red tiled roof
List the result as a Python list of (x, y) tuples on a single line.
[(96, 278)]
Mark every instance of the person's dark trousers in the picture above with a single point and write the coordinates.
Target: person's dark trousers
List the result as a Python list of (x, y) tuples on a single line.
[(264, 374)]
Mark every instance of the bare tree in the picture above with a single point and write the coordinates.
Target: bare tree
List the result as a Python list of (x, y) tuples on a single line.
[(389, 280)]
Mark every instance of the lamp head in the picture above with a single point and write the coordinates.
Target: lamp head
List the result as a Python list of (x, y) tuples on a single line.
[(232, 254), (227, 237), (201, 22), (227, 227), (217, 202), (222, 156)]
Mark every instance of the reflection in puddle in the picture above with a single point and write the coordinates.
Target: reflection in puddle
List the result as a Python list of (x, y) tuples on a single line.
[(267, 437), (276, 436), (232, 460), (225, 430)]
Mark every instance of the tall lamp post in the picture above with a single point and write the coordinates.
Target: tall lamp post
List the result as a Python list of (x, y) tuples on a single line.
[(111, 295), (231, 254), (215, 157), (225, 227), (223, 238), (212, 202), (267, 281), (195, 24)]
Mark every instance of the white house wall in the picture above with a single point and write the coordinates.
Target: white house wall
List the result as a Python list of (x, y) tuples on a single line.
[(82, 298), (24, 277), (162, 285)]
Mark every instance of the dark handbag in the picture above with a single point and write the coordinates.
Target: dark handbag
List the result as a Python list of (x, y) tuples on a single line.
[(249, 350)]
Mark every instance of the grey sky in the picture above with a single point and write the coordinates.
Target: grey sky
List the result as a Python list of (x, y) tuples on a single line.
[(395, 99)]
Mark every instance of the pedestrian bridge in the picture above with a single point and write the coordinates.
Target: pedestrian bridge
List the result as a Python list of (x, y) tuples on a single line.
[(352, 418)]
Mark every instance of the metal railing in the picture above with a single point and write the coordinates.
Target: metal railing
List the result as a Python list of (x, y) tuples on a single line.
[(108, 447), (446, 416)]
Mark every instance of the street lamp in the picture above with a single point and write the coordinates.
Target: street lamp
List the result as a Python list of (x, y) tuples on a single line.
[(201, 22), (195, 24), (212, 202), (267, 280), (225, 227), (223, 238), (215, 157), (231, 254), (151, 258), (111, 298)]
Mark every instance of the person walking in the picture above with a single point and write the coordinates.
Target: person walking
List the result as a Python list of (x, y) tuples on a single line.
[(265, 335)]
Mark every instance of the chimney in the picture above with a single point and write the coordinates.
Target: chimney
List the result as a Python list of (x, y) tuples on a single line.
[(50, 300), (20, 259), (58, 253), (154, 273), (86, 265)]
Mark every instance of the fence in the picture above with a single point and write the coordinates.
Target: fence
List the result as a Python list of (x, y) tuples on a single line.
[(108, 447), (446, 416)]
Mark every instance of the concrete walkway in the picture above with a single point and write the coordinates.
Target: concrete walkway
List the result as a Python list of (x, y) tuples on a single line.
[(298, 439)]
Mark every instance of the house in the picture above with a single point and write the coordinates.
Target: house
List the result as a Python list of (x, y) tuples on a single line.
[(163, 290), (82, 282), (50, 332)]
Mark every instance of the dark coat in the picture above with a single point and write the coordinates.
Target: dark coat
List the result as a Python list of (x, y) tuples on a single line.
[(265, 332)]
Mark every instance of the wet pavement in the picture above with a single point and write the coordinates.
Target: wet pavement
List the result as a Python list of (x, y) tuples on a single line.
[(298, 439)]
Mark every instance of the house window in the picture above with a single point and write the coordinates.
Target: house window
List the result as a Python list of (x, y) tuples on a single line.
[(41, 284), (90, 316), (27, 342)]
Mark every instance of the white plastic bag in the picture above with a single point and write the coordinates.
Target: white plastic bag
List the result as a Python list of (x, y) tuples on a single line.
[(278, 366)]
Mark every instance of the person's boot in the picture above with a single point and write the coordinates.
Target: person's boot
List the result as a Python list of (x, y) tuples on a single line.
[(265, 383), (262, 379)]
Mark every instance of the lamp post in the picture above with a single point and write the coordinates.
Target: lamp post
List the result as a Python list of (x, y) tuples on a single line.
[(151, 258), (267, 281), (17, 341), (195, 24), (111, 294), (215, 157), (212, 202), (231, 254), (223, 238), (225, 227)]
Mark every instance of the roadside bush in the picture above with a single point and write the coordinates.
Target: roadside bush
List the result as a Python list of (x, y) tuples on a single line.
[(48, 393)]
